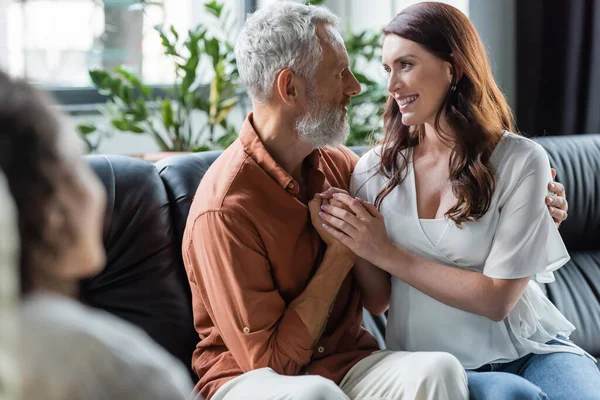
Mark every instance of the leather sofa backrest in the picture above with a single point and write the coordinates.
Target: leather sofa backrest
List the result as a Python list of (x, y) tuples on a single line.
[(577, 161), (181, 176), (144, 281), (576, 292)]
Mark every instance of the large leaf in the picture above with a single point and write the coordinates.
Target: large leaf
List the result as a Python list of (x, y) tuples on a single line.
[(194, 38), (201, 148), (126, 126), (126, 93), (214, 7), (115, 87), (139, 110), (193, 60), (169, 47), (100, 79), (167, 113), (134, 80), (86, 129), (174, 33), (121, 106), (226, 140), (212, 49), (201, 104), (136, 129), (190, 75)]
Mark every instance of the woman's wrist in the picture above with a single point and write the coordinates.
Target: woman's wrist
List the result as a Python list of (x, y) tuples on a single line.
[(389, 254)]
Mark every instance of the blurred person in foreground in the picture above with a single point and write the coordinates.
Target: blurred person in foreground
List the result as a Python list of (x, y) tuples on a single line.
[(9, 295), (68, 351)]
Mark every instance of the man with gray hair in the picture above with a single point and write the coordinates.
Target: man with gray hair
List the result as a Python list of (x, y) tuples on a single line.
[(275, 305)]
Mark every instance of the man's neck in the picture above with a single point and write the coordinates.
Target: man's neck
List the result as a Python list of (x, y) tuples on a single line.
[(278, 135)]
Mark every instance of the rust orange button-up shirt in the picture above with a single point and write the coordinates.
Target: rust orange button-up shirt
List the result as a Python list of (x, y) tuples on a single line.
[(250, 249)]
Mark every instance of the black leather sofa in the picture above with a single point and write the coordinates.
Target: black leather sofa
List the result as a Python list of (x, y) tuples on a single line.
[(145, 282)]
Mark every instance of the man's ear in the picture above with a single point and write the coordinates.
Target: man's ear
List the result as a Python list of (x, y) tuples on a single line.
[(286, 86)]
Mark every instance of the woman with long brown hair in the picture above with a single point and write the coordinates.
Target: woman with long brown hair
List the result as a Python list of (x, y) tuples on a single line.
[(453, 234)]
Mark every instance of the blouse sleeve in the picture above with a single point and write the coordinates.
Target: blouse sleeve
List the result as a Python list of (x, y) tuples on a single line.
[(364, 171), (526, 241), (357, 183)]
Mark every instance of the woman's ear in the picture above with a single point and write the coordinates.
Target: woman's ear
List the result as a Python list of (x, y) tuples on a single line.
[(286, 86), (455, 72)]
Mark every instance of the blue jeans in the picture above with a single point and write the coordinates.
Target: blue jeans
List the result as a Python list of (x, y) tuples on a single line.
[(553, 376)]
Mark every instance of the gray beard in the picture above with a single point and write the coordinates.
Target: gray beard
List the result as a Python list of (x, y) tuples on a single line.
[(323, 125)]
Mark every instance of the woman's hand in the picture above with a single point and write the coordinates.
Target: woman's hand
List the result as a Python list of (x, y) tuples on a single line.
[(359, 226), (314, 207), (557, 204)]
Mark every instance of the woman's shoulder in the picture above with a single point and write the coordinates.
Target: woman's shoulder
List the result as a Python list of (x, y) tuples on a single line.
[(364, 172), (371, 159), (515, 152)]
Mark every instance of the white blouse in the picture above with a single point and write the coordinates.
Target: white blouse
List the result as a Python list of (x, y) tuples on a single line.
[(516, 238)]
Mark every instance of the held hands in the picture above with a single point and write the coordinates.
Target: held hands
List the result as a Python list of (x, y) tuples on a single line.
[(355, 223), (314, 207), (359, 226)]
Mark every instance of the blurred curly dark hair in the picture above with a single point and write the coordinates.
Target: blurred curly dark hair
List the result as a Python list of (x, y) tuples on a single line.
[(37, 171)]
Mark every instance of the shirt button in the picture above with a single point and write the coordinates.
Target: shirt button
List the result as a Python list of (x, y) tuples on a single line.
[(291, 185), (321, 349), (246, 330)]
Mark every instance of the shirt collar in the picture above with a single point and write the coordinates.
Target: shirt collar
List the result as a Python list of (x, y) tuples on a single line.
[(254, 147)]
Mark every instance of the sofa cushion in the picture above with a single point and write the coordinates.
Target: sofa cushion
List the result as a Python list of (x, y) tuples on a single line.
[(143, 281), (577, 162), (181, 176), (576, 292)]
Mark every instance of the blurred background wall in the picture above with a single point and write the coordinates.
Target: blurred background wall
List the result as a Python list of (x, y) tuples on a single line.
[(545, 55)]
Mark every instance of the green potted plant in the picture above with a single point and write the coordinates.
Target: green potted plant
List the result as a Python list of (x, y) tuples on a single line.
[(365, 113), (190, 115)]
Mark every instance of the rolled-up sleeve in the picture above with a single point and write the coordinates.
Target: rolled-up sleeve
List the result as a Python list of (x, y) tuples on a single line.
[(228, 263)]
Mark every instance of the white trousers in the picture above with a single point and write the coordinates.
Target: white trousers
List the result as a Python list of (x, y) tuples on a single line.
[(384, 375)]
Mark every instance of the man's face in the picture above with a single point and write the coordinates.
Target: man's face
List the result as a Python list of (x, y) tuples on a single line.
[(325, 122)]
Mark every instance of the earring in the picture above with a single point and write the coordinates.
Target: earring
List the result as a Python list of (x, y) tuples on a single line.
[(453, 88)]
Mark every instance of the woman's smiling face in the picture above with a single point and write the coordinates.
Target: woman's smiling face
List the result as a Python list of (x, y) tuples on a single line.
[(417, 79)]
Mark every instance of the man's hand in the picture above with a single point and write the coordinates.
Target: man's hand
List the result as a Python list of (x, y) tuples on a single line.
[(314, 207), (557, 204), (328, 194), (328, 198), (362, 229)]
